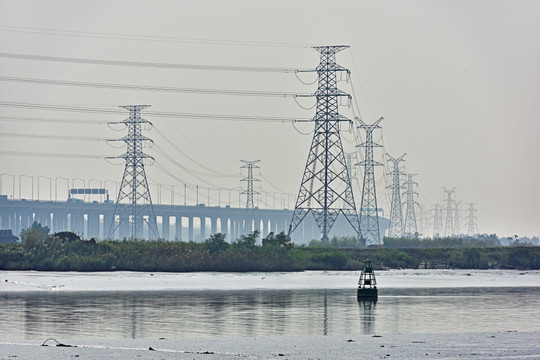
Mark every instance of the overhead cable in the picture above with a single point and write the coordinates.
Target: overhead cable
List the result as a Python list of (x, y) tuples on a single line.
[(117, 36), (152, 113), (150, 64), (151, 88)]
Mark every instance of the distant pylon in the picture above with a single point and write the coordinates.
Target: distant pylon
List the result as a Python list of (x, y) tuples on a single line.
[(369, 216), (326, 189), (457, 215), (436, 222), (449, 225), (134, 186), (249, 192), (420, 223), (352, 161), (411, 229), (471, 223), (396, 212), (250, 165)]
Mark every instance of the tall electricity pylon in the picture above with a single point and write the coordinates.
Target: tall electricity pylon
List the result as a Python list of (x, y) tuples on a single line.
[(249, 216), (436, 222), (396, 212), (411, 229), (420, 223), (351, 159), (471, 223), (250, 165), (326, 189), (457, 215), (449, 225), (134, 186), (369, 216)]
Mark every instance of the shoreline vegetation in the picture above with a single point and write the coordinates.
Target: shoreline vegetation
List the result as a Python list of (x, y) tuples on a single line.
[(68, 252)]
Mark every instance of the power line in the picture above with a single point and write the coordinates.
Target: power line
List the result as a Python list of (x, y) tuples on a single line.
[(117, 36), (189, 157), (44, 154), (150, 88), (39, 119), (150, 64), (68, 108), (53, 137)]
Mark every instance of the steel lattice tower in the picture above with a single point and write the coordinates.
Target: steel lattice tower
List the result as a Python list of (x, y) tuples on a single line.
[(449, 225), (436, 222), (134, 186), (471, 220), (352, 161), (411, 229), (369, 216), (326, 189), (250, 165), (396, 212), (421, 218), (457, 230)]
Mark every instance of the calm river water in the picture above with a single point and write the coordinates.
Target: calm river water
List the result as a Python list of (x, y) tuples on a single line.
[(327, 310)]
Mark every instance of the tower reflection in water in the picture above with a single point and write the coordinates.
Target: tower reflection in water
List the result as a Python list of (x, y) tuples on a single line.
[(367, 315)]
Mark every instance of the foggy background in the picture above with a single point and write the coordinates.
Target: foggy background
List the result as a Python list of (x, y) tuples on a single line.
[(456, 81)]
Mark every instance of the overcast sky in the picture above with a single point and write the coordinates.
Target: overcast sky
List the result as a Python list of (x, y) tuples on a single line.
[(456, 81)]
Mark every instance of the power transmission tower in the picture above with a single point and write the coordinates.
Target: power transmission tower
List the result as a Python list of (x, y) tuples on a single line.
[(134, 186), (411, 229), (326, 189), (449, 225), (249, 192), (396, 212), (249, 217), (352, 161), (436, 222), (457, 231), (471, 220), (369, 216), (420, 223)]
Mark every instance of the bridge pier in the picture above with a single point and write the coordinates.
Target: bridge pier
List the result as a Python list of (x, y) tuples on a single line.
[(92, 225), (190, 229), (178, 228), (203, 227), (165, 227)]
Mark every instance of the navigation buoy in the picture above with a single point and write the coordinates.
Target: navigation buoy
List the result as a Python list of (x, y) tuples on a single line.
[(367, 284)]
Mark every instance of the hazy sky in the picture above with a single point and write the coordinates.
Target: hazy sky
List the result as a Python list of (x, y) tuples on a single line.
[(457, 82)]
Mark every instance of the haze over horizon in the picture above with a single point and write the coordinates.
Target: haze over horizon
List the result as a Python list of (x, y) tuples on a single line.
[(457, 83)]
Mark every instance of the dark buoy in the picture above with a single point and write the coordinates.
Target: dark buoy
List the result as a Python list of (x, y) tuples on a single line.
[(367, 285)]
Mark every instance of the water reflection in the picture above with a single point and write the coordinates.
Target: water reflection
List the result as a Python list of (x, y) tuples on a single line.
[(367, 315), (264, 312)]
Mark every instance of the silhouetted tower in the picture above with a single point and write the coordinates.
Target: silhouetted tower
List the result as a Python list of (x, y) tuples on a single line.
[(351, 160), (250, 192), (411, 229), (420, 223), (369, 216), (457, 230), (326, 189), (249, 216), (436, 222), (396, 212), (471, 220), (134, 186), (449, 225)]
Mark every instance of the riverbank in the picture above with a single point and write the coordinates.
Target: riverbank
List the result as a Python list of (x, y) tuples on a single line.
[(130, 281), (167, 256), (492, 345)]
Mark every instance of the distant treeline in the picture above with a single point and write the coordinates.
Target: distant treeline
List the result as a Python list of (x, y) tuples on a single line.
[(67, 252)]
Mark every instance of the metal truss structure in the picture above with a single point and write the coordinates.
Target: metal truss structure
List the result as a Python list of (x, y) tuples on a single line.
[(326, 189), (369, 216), (134, 187)]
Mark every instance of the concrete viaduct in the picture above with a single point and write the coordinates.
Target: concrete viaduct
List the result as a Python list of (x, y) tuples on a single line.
[(175, 222)]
